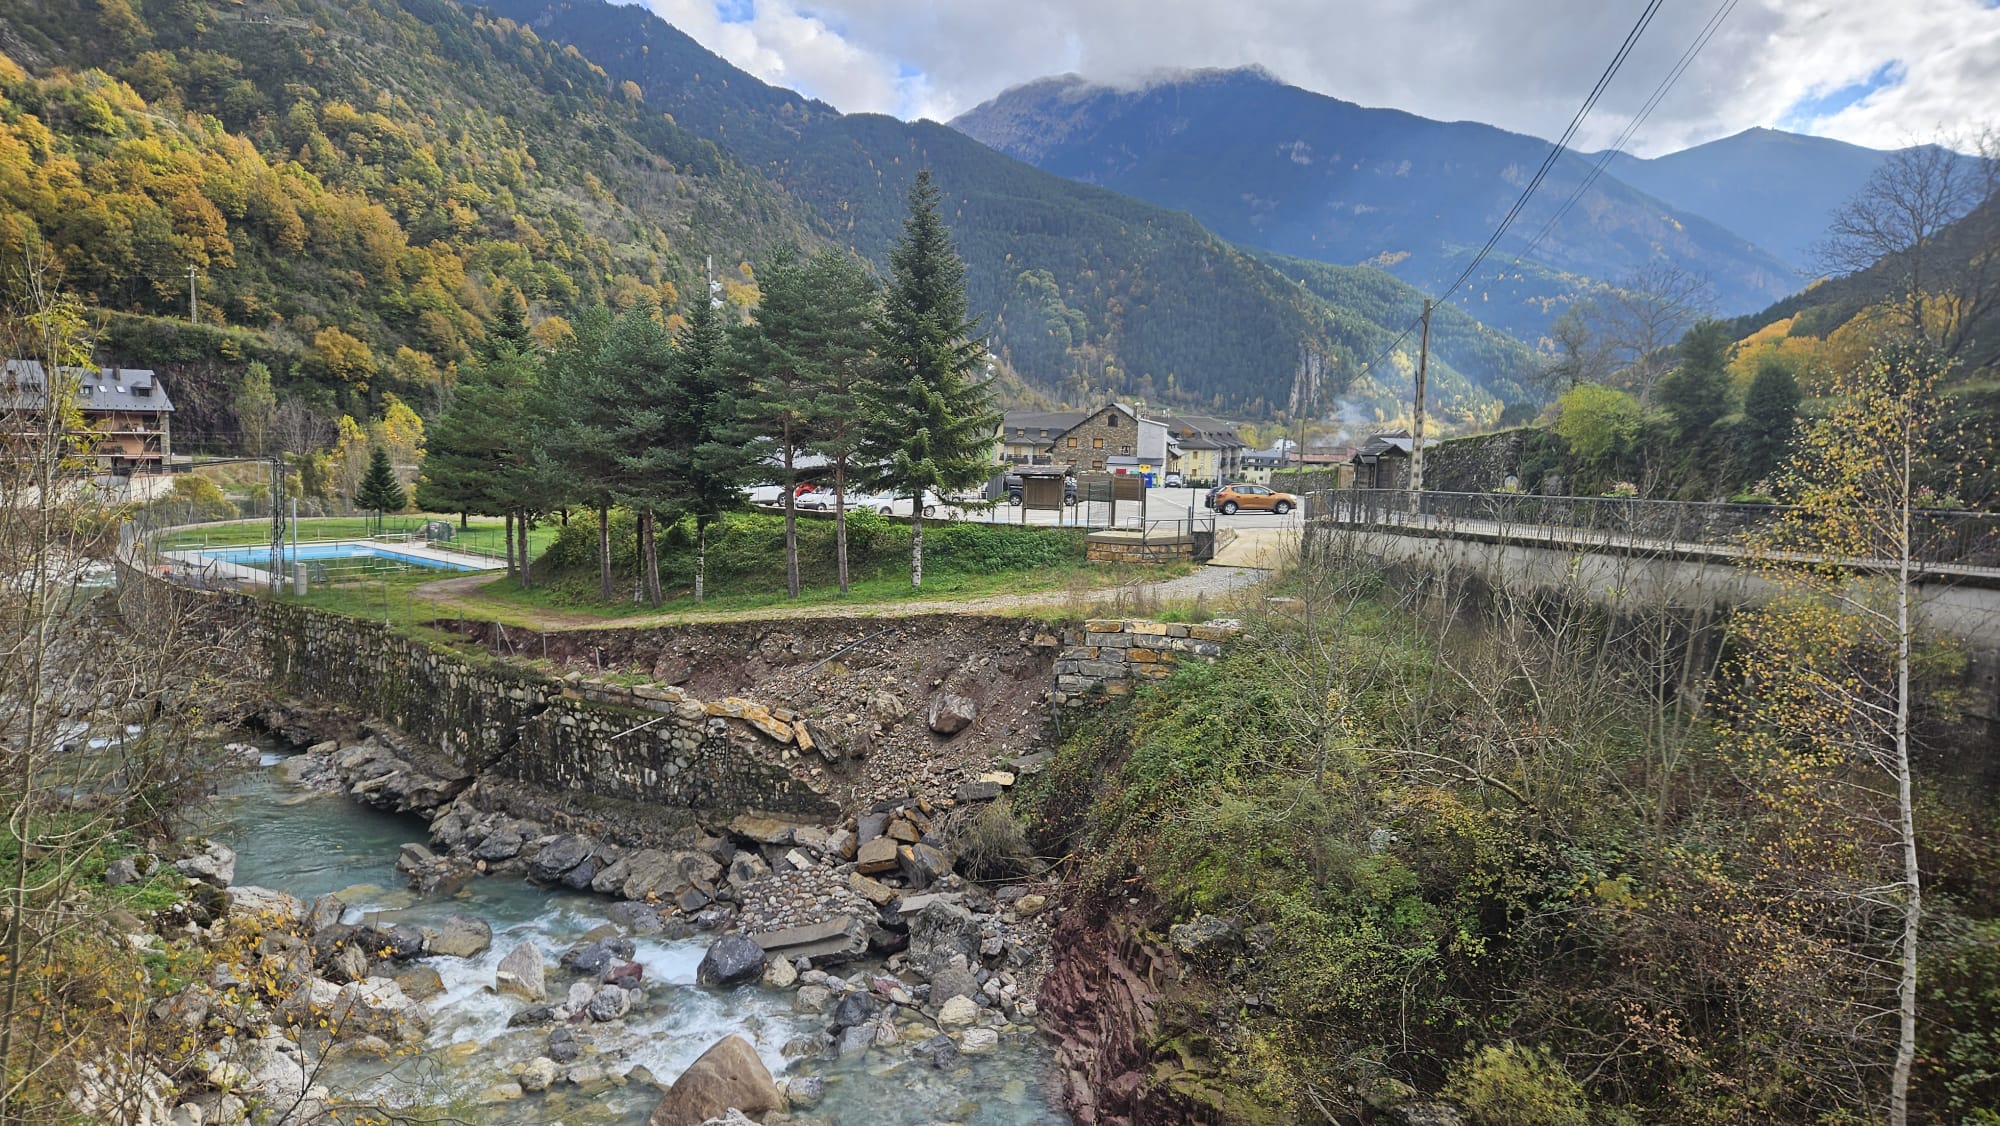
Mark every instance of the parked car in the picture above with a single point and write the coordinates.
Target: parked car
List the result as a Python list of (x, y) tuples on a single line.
[(814, 500), (1230, 499), (1014, 486), (1173, 481), (765, 494)]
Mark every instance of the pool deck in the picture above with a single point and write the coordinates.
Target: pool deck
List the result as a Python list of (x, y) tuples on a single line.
[(217, 569)]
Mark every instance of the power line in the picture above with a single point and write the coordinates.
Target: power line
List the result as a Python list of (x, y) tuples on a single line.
[(1555, 153), (1604, 159)]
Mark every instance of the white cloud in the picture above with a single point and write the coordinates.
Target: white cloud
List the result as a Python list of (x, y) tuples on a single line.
[(1519, 64)]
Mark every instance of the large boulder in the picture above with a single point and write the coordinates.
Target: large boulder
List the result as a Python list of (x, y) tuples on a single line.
[(944, 928), (652, 874), (951, 713), (727, 1076), (554, 860), (461, 936), (214, 864), (377, 1006), (1204, 936), (522, 973), (731, 959), (269, 908)]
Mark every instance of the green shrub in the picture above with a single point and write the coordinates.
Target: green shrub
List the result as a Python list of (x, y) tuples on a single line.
[(991, 843), (1509, 1085)]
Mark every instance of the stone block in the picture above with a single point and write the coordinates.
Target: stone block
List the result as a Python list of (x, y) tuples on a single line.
[(878, 855), (1103, 625), (1150, 629)]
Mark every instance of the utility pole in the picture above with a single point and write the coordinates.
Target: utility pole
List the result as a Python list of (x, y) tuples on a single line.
[(1417, 430), (193, 309)]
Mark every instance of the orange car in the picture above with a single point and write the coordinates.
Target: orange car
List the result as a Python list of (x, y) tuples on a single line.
[(1251, 498)]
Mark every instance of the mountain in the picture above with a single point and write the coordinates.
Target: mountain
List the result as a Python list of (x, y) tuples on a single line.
[(1781, 188), (1283, 169), (353, 181), (1089, 292)]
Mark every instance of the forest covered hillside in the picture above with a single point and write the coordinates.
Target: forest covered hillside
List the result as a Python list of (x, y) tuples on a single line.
[(350, 181)]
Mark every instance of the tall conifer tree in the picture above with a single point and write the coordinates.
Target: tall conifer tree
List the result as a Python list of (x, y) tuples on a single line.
[(931, 423)]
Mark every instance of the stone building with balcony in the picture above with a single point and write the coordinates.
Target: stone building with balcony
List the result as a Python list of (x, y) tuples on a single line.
[(126, 414)]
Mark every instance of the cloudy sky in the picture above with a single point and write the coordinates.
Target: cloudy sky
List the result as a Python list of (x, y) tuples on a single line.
[(1875, 72)]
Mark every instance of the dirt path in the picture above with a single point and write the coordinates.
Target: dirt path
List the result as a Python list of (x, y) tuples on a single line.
[(1216, 585)]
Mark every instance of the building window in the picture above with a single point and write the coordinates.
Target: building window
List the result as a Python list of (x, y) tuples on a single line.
[(1097, 443), (1072, 443), (1124, 449), (1111, 420), (1098, 464)]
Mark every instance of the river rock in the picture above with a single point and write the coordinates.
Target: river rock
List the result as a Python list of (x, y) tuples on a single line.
[(563, 1047), (214, 864), (349, 963), (591, 960), (533, 1015), (728, 1075), (812, 999), (944, 928), (951, 713), (538, 1073), (939, 1050), (957, 1012), (780, 973), (652, 874), (553, 860), (953, 979), (805, 1090), (521, 973), (578, 997), (270, 908), (855, 1008), (730, 959), (461, 936), (626, 974), (503, 843), (979, 1041), (851, 1042), (1030, 905), (413, 856), (420, 983), (325, 912), (609, 1003), (730, 1117), (377, 1006), (639, 918)]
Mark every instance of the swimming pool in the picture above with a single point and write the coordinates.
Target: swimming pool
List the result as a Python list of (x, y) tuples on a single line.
[(335, 556)]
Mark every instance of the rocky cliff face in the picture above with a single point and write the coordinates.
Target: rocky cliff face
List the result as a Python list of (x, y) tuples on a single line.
[(1105, 1001)]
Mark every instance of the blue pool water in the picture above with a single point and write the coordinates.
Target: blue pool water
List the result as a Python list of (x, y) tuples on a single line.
[(260, 557)]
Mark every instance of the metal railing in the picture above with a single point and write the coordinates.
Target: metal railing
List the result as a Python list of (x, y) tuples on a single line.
[(1941, 536)]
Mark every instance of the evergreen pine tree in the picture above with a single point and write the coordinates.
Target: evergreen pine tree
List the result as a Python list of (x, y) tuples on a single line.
[(1696, 394), (1770, 415), (708, 429), (578, 412), (639, 376), (774, 356), (380, 490), (843, 351), (931, 424)]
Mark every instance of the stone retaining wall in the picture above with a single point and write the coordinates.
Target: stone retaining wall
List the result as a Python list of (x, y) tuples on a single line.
[(1106, 655), (655, 746), (1131, 547)]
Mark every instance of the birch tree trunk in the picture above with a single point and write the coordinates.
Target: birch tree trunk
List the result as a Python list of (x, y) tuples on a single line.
[(917, 542), (700, 558), (1906, 987)]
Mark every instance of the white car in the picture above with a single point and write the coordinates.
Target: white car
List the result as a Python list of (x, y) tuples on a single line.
[(765, 494), (1173, 481), (889, 504)]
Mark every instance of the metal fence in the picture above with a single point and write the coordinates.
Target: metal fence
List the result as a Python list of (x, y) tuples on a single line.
[(1941, 536)]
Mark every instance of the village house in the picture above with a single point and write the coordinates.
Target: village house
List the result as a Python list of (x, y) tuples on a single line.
[(1114, 439), (1383, 461), (1211, 453), (1025, 435), (126, 414)]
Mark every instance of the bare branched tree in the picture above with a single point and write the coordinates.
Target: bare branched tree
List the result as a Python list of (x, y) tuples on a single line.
[(1647, 312), (1929, 219)]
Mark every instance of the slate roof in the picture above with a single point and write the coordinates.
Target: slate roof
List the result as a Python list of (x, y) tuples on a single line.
[(24, 385), (1034, 422)]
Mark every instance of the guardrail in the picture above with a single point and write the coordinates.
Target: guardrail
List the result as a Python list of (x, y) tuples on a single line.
[(1942, 536)]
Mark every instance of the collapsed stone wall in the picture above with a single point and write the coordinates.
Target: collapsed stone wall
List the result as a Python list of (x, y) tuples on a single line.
[(657, 747)]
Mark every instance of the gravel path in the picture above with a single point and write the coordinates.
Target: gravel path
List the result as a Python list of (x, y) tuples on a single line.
[(1215, 586)]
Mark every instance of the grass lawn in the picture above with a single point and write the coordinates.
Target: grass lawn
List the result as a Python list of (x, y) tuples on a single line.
[(485, 535)]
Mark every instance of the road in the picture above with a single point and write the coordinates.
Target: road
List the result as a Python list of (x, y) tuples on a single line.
[(1162, 505)]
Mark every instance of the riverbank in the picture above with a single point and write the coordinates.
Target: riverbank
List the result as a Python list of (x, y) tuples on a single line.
[(621, 1005)]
